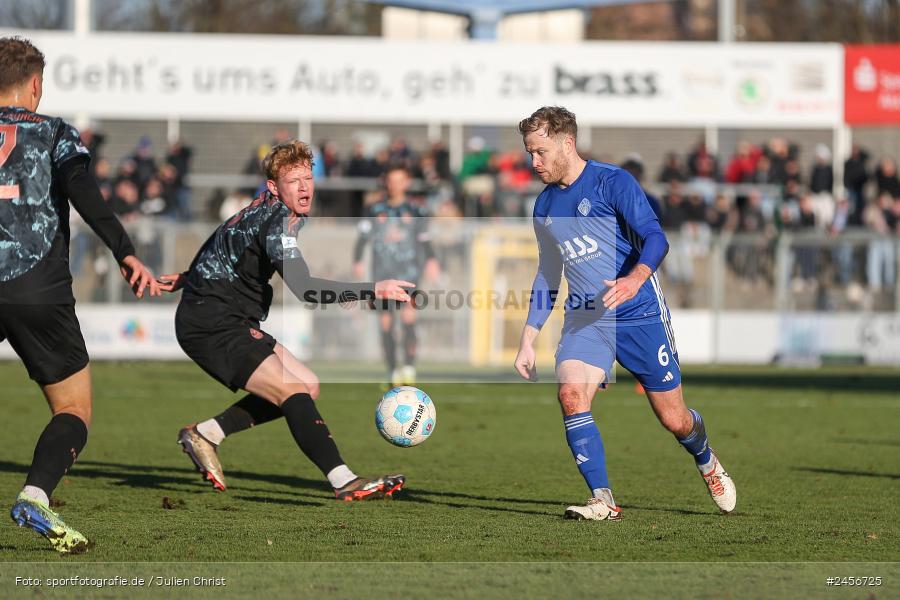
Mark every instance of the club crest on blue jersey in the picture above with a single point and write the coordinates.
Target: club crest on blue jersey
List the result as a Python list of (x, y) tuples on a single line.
[(584, 207)]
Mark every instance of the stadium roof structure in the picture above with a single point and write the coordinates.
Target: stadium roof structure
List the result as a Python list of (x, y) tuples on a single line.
[(486, 14)]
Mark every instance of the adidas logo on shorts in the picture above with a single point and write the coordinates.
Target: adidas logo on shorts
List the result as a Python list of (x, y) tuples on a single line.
[(669, 377)]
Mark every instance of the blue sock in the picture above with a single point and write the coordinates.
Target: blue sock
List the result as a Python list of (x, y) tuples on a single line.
[(586, 445), (696, 442)]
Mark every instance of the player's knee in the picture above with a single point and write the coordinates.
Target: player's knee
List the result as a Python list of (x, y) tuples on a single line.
[(572, 399), (679, 423), (313, 388)]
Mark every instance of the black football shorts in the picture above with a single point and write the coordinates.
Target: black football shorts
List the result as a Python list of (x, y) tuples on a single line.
[(227, 345), (47, 337)]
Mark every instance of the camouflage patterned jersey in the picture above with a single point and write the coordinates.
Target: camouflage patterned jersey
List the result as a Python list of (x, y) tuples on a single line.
[(400, 241), (236, 263), (35, 151)]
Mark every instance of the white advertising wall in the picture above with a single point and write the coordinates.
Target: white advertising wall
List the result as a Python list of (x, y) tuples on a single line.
[(148, 332), (247, 78)]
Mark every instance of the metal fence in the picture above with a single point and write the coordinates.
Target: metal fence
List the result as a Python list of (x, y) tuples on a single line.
[(788, 271)]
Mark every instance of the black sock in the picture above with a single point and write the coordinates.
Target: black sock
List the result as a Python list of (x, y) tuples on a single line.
[(310, 432), (389, 345), (409, 343), (245, 413), (56, 450)]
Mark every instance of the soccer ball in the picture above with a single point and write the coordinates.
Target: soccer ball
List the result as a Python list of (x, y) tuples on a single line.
[(405, 416)]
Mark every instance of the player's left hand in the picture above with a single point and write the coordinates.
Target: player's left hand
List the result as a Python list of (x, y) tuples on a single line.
[(622, 290), (139, 277)]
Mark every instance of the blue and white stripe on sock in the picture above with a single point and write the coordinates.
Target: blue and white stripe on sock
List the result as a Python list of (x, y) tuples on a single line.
[(587, 449), (697, 443)]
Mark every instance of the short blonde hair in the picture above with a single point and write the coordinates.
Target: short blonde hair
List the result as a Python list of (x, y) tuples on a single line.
[(556, 119), (286, 155)]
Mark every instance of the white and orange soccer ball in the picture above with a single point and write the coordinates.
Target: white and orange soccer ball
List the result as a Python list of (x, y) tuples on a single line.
[(405, 416)]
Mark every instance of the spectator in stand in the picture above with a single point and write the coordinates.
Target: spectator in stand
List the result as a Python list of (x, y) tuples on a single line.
[(476, 180), (127, 170), (125, 200), (878, 217), (806, 255), (441, 160), (821, 182), (437, 189), (103, 173), (672, 170), (842, 254), (382, 161), (179, 156), (886, 179), (749, 263), (704, 171), (477, 159), (722, 216), (678, 266), (175, 189), (144, 163), (821, 178), (792, 171), (92, 141), (742, 166), (331, 164), (634, 164), (513, 180), (168, 179), (360, 165), (155, 203), (763, 173), (856, 175), (400, 152), (778, 152)]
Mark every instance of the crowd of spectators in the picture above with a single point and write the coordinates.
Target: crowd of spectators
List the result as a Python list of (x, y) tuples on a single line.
[(758, 192)]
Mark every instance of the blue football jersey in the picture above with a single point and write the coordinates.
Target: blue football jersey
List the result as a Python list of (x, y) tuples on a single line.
[(592, 231)]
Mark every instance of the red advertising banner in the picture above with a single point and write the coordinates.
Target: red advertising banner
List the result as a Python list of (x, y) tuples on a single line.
[(872, 85)]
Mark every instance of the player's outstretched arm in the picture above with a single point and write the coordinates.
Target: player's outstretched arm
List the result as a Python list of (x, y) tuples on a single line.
[(84, 193)]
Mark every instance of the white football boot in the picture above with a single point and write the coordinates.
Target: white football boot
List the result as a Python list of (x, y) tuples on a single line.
[(596, 509), (721, 487)]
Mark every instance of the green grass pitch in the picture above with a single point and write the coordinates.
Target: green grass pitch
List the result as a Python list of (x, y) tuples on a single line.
[(814, 455)]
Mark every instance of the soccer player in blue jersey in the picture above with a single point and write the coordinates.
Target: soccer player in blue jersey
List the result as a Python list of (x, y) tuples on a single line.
[(44, 166), (594, 224)]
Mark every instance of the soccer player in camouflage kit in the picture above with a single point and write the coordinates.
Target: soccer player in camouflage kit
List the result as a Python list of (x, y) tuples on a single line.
[(227, 294), (401, 247), (43, 166)]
